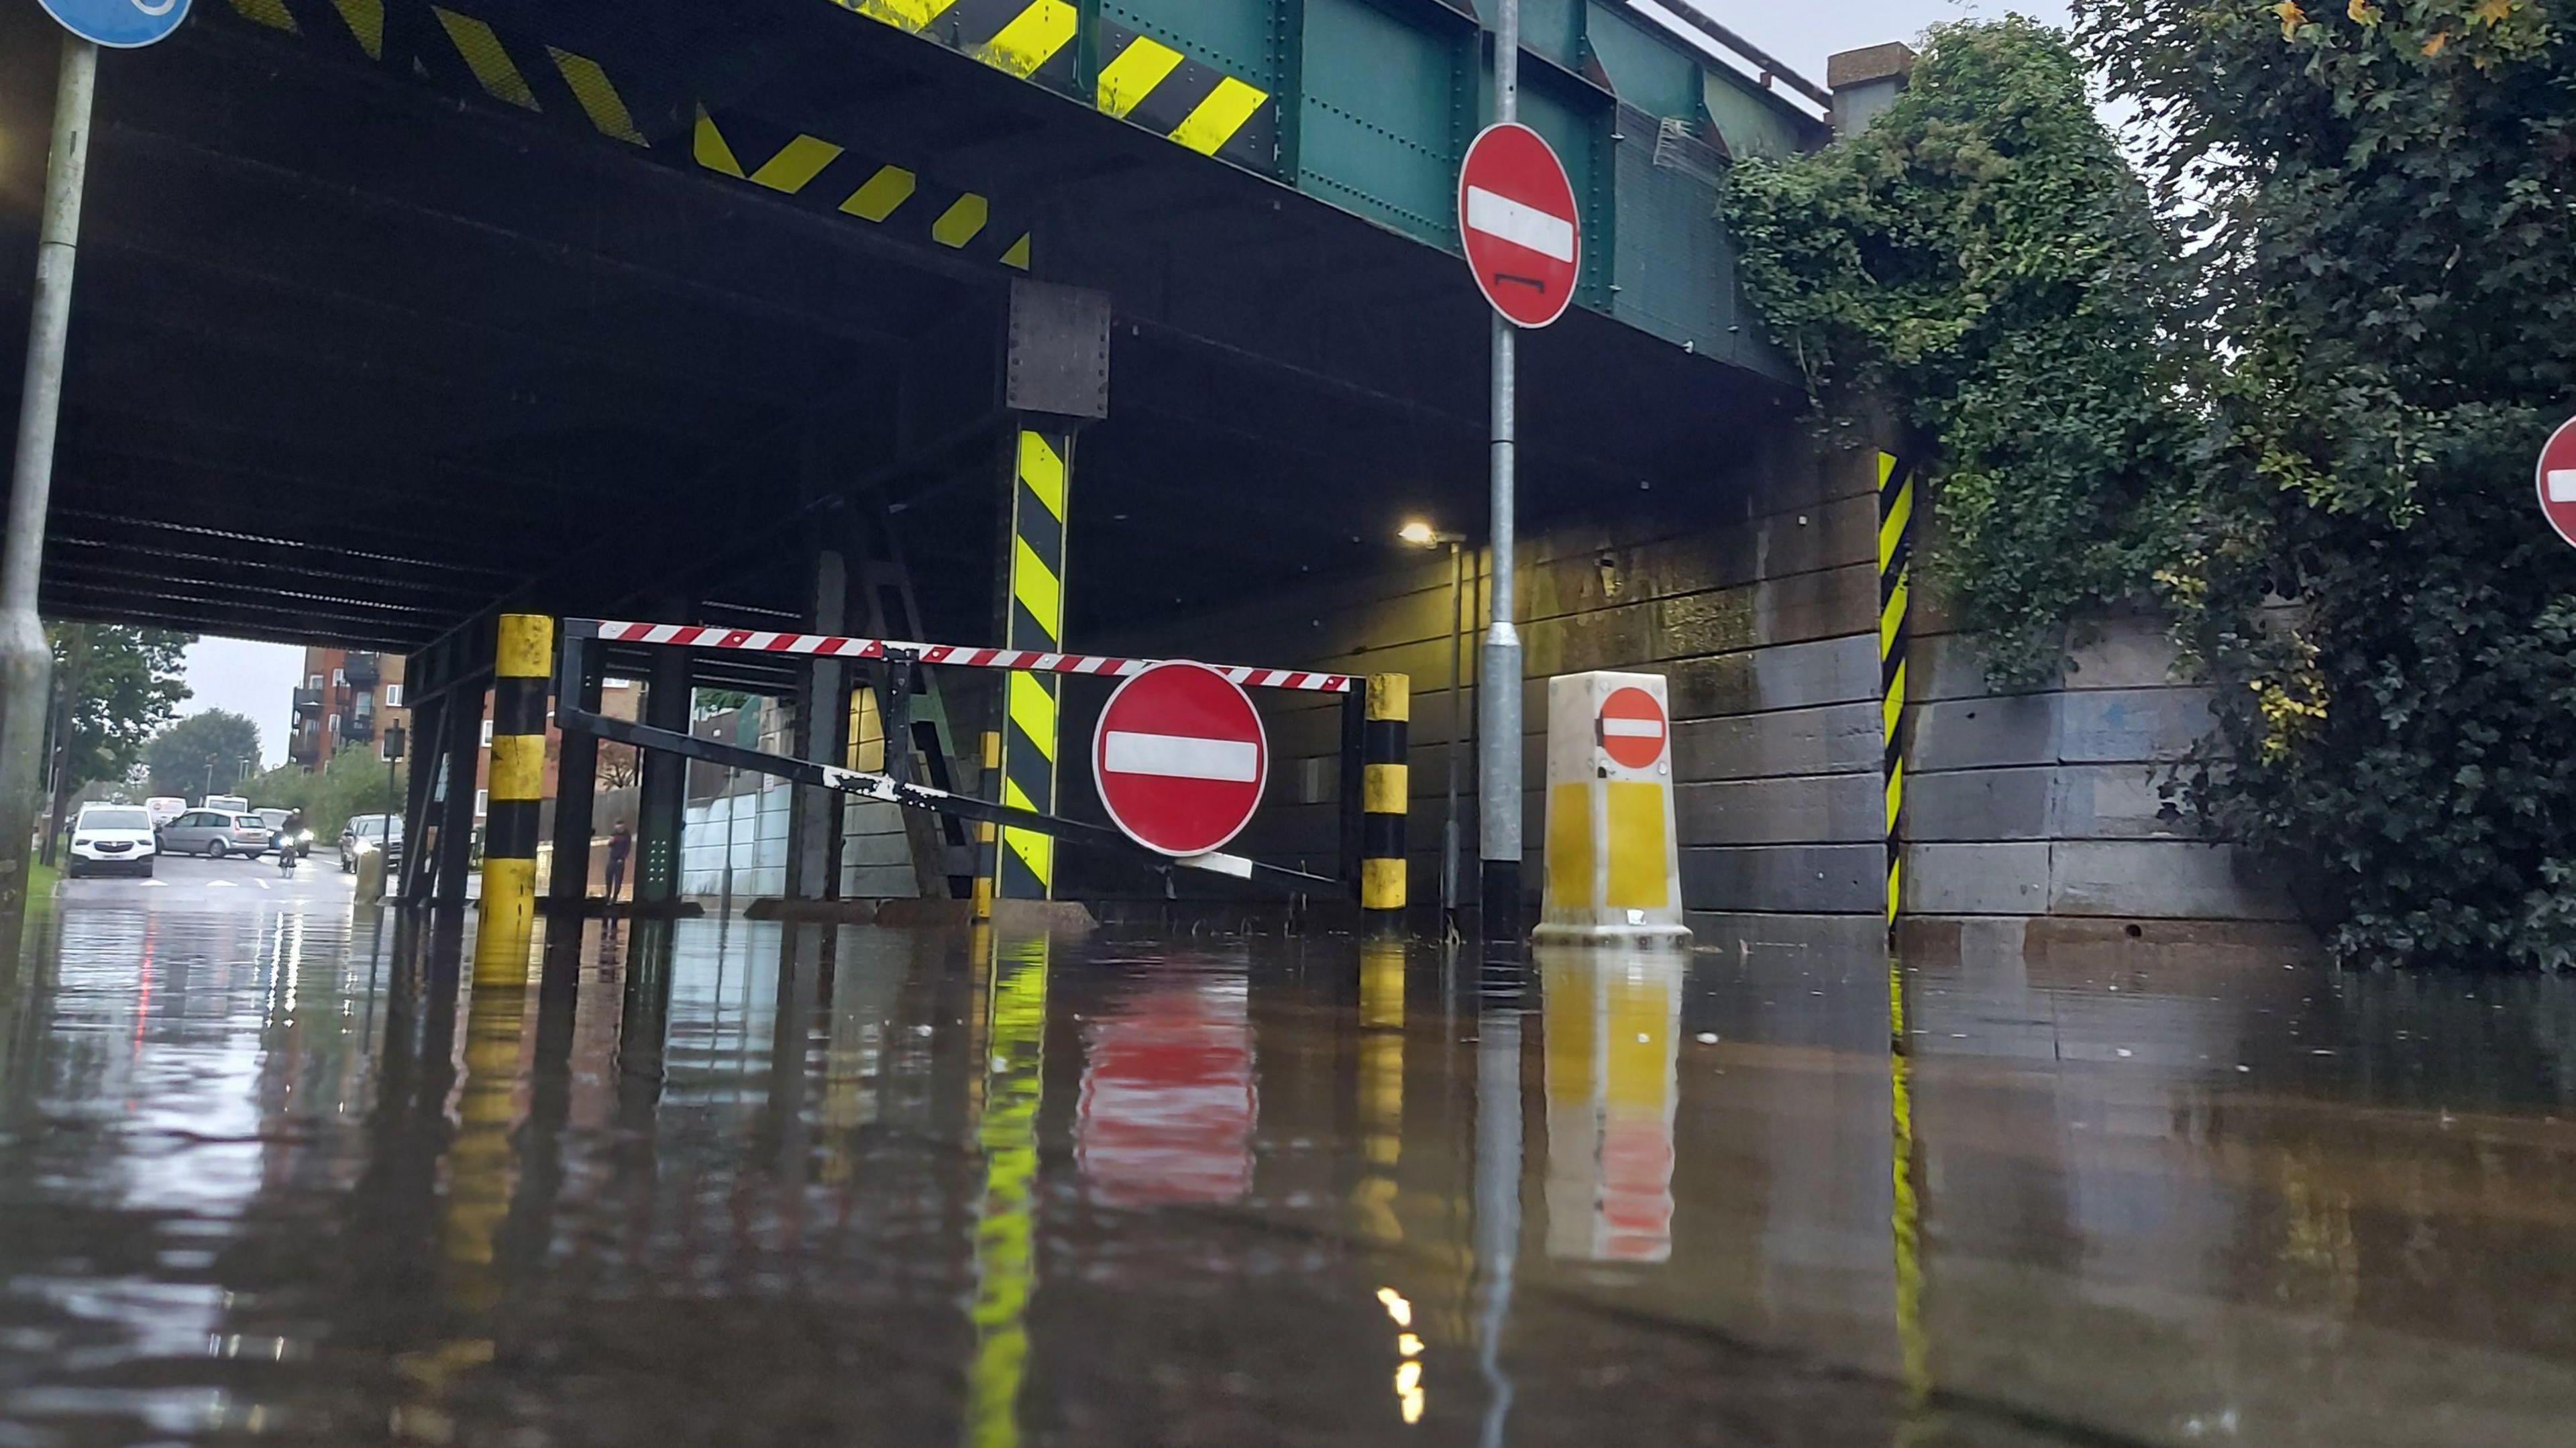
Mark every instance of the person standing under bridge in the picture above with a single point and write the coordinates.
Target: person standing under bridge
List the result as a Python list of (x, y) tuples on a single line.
[(620, 845)]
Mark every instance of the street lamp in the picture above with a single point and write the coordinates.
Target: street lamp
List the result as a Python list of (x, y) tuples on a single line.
[(1420, 534)]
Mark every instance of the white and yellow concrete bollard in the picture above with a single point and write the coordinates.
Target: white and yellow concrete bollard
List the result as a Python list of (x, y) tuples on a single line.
[(1613, 859)]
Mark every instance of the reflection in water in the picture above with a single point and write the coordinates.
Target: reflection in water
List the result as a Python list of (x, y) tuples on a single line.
[(283, 1174), (1613, 1022), (1168, 1106), (1005, 1234)]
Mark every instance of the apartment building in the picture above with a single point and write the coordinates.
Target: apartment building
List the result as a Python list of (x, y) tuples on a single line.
[(346, 700)]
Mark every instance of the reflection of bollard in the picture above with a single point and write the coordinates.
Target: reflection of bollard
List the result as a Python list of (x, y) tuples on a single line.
[(1385, 790), (517, 791), (1613, 862)]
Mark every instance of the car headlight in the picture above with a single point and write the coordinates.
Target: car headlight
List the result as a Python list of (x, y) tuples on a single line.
[(305, 838), (80, 840)]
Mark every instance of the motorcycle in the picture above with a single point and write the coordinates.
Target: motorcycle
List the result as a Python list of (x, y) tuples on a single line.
[(291, 848)]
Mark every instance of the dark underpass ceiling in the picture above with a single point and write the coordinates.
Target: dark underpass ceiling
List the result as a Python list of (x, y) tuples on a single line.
[(358, 353)]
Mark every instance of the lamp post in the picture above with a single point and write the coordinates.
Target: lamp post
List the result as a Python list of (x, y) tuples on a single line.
[(1422, 535)]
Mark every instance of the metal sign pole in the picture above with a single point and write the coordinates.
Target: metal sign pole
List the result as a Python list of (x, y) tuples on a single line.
[(25, 660), (1498, 696)]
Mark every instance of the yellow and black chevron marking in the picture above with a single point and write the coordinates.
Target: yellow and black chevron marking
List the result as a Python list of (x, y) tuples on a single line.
[(1385, 793), (462, 53), (1141, 79), (1197, 105), (517, 788), (1895, 588), (1031, 39), (1044, 466), (831, 178)]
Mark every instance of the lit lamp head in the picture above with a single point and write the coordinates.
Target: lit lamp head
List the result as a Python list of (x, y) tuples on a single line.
[(1420, 534)]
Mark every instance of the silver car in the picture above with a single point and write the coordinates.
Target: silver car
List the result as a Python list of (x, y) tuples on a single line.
[(215, 833)]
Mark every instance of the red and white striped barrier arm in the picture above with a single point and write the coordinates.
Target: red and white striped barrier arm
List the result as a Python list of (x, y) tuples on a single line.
[(833, 646)]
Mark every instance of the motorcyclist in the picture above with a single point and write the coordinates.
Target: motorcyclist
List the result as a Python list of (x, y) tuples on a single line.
[(290, 835)]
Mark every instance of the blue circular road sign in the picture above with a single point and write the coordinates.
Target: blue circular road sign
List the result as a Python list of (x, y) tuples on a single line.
[(121, 24)]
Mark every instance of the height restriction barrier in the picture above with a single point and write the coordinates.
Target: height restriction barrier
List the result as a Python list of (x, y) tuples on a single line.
[(585, 639)]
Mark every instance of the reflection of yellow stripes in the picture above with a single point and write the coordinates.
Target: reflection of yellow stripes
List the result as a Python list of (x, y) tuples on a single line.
[(906, 14), (1033, 38), (1014, 1083), (481, 49)]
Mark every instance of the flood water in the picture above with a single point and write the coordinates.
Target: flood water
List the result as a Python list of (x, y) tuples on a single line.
[(273, 1173)]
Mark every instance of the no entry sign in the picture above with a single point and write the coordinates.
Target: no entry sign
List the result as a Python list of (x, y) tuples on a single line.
[(1181, 758), (1516, 216), (1633, 729), (2558, 482)]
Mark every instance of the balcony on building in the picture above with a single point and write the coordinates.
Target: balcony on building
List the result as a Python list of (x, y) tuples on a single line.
[(305, 748), (358, 724), (308, 701), (362, 671)]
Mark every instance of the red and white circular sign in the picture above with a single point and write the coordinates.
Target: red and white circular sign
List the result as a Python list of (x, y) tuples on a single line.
[(1516, 215), (1180, 758), (1633, 729), (2558, 482)]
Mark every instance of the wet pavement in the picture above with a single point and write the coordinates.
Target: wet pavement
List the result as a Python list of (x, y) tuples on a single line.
[(269, 1171)]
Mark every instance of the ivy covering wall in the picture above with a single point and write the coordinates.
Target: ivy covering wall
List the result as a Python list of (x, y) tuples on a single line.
[(2297, 406)]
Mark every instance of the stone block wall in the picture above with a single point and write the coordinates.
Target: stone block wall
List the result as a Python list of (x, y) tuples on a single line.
[(2048, 803)]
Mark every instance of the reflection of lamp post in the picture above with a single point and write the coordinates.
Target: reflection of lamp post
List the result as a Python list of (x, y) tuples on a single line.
[(1422, 535)]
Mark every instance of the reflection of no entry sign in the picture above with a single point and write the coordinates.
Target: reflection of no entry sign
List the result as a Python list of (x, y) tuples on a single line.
[(1516, 215), (1181, 758), (2558, 482), (1633, 729)]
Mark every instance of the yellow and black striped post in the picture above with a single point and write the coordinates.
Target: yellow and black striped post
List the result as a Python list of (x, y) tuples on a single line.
[(988, 835), (517, 786), (1385, 791), (1042, 467), (1895, 587)]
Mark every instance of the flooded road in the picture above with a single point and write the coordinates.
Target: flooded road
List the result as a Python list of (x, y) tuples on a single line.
[(269, 1171)]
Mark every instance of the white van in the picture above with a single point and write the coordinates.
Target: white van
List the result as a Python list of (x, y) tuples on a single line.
[(228, 803), (164, 808), (110, 837)]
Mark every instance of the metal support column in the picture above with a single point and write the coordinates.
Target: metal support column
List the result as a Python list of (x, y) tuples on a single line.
[(26, 661), (428, 748), (1056, 376), (515, 797), (662, 807), (576, 798), (1498, 762), (822, 735), (1042, 473), (464, 716)]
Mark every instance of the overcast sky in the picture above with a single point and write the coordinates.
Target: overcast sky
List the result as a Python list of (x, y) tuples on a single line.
[(246, 678), (1804, 32)]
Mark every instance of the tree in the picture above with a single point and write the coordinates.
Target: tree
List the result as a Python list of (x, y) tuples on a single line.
[(2383, 189), (1983, 259), (355, 782), (217, 747), (113, 687)]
